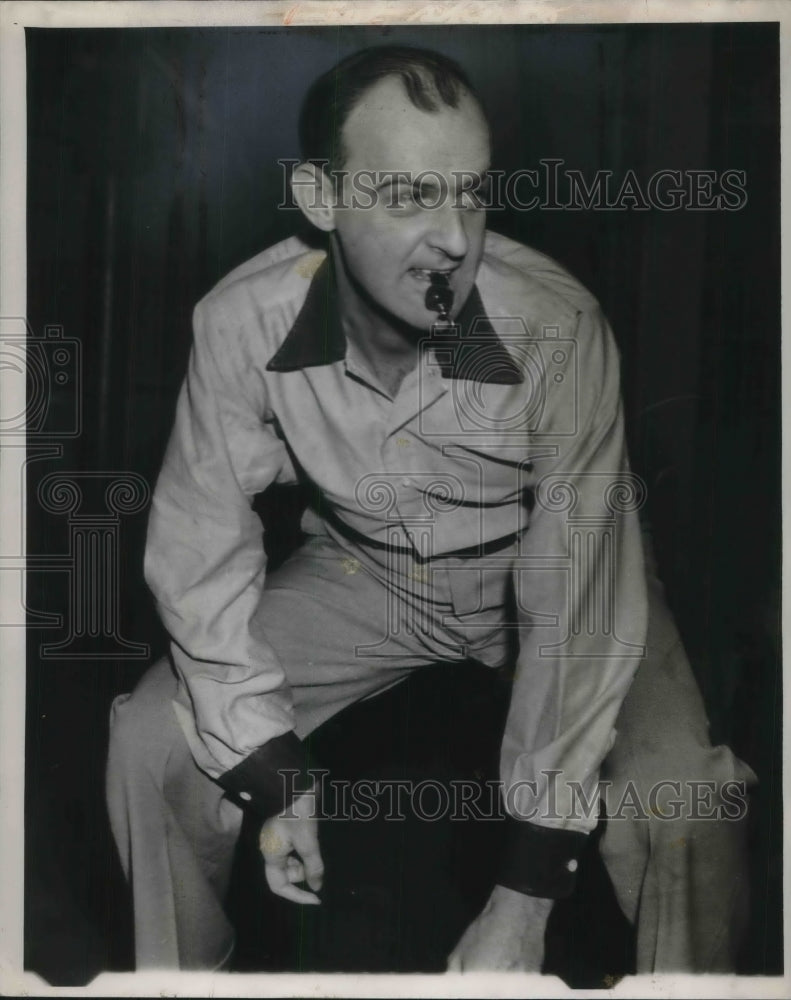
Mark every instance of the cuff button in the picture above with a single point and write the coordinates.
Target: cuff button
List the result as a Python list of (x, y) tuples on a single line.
[(572, 865), (248, 797)]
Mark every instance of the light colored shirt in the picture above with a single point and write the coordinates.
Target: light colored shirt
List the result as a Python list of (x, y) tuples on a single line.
[(513, 428)]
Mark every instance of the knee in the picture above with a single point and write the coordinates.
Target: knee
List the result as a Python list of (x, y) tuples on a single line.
[(142, 723), (713, 785), (707, 783)]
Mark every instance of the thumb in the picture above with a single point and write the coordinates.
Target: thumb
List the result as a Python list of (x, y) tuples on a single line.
[(308, 849)]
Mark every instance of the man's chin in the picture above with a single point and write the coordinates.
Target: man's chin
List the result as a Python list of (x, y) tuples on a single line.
[(426, 323), (423, 319), (414, 323)]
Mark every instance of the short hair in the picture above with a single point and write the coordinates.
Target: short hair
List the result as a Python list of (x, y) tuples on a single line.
[(431, 80)]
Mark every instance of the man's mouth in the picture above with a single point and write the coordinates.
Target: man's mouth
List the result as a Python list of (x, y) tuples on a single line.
[(424, 273)]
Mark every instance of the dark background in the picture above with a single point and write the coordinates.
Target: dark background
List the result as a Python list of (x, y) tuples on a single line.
[(151, 172)]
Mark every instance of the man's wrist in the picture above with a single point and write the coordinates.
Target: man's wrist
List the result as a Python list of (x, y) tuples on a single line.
[(540, 861), (271, 777)]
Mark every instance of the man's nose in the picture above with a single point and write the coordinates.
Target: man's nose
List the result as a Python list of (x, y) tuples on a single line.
[(447, 231)]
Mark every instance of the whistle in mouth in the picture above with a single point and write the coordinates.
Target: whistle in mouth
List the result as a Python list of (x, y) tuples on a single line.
[(439, 296)]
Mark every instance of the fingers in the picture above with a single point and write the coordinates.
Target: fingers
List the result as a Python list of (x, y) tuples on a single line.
[(295, 870), (278, 881), (283, 868), (312, 864)]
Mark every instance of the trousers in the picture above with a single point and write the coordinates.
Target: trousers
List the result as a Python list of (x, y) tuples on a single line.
[(341, 636)]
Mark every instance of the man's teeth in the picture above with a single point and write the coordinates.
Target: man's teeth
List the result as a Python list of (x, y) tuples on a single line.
[(424, 273)]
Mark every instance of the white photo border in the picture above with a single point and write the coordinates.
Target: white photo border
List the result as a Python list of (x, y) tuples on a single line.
[(14, 18)]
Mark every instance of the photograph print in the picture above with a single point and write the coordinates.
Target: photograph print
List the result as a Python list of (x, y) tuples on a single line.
[(403, 500)]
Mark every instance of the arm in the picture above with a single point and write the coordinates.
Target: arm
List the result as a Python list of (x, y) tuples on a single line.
[(205, 565), (581, 603)]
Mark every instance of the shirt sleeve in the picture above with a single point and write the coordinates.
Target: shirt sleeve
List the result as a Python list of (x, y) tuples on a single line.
[(582, 612), (205, 563)]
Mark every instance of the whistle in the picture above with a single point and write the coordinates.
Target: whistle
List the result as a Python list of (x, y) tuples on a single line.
[(439, 296)]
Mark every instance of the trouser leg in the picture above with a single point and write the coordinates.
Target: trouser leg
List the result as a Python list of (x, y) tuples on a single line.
[(323, 614), (174, 828), (680, 874)]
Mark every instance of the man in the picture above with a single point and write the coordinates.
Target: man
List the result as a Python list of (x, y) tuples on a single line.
[(460, 468)]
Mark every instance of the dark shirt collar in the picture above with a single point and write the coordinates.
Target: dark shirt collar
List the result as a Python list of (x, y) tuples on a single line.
[(470, 349)]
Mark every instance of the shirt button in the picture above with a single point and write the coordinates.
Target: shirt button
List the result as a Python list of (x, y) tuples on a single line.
[(246, 796), (572, 865)]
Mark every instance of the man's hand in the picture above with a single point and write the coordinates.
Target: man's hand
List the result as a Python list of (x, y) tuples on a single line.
[(284, 840), (508, 935)]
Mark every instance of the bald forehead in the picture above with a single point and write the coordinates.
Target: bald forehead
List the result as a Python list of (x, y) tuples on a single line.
[(385, 131)]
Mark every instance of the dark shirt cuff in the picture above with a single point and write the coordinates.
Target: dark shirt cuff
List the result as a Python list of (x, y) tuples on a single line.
[(540, 860), (272, 776)]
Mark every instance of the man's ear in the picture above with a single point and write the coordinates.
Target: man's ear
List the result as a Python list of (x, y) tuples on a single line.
[(314, 192)]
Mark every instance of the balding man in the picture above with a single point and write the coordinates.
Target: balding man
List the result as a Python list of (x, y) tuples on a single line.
[(453, 399)]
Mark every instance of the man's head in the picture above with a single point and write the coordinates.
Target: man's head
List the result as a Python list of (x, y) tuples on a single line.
[(407, 142), (430, 80)]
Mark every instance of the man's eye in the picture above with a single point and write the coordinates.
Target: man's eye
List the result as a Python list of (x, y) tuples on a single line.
[(428, 195), (400, 197), (477, 195)]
